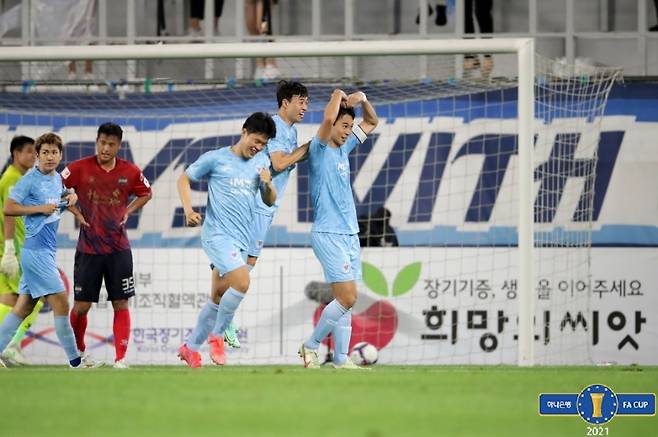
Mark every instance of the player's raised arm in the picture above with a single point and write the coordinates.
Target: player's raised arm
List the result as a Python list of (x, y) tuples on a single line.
[(370, 120), (267, 190), (192, 218), (338, 97)]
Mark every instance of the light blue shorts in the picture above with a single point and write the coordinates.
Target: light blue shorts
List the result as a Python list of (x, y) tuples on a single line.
[(261, 224), (40, 275), (224, 253), (339, 254)]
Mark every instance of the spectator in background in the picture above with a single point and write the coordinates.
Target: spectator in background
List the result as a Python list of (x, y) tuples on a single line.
[(485, 23), (71, 20), (376, 231), (655, 6), (197, 12), (441, 17), (258, 18)]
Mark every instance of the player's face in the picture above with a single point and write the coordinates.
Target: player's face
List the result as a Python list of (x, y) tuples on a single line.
[(26, 157), (107, 147), (296, 108), (342, 129), (49, 158), (252, 143)]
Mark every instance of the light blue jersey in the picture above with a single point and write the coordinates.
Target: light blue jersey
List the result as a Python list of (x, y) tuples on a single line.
[(40, 275), (284, 141), (233, 184), (36, 188), (331, 191)]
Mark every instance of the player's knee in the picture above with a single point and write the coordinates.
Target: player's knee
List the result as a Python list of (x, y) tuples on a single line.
[(119, 305), (21, 311), (81, 308), (347, 300), (241, 284), (60, 304)]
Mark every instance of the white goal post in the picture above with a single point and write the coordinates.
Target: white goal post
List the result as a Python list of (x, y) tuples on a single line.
[(523, 48)]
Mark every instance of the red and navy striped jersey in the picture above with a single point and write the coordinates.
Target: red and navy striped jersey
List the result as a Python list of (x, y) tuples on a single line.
[(103, 197)]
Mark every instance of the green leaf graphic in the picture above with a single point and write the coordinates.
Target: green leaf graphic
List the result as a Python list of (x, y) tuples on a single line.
[(406, 279), (374, 279)]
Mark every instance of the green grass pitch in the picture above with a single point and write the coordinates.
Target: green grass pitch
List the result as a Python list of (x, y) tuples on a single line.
[(292, 401)]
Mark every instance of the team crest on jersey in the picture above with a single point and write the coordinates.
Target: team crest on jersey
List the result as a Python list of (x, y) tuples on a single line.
[(123, 180), (346, 268)]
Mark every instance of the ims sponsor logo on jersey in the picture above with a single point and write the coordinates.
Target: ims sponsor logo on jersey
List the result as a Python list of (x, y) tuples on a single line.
[(343, 168), (243, 186)]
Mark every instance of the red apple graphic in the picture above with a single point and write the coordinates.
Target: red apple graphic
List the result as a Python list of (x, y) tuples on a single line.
[(376, 325)]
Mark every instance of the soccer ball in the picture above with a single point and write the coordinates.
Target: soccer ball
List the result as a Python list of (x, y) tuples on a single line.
[(364, 354)]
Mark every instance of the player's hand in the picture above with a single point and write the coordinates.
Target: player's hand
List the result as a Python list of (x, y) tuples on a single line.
[(9, 263), (47, 208), (70, 199), (355, 98), (192, 218), (343, 97), (265, 175), (82, 221)]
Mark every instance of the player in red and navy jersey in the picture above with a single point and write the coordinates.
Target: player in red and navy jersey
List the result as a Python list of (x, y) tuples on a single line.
[(104, 184)]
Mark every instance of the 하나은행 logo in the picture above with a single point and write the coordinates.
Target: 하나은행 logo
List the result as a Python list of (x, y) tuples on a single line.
[(597, 404)]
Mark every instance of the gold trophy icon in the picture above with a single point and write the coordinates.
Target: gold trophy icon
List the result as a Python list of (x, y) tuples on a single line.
[(597, 402)]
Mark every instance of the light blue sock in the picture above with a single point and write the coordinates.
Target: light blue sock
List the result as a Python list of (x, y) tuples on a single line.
[(330, 315), (342, 334), (227, 306), (205, 322), (66, 338), (8, 329)]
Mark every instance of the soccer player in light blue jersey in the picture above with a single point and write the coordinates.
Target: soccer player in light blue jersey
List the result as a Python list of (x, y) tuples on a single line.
[(235, 175), (334, 235), (284, 153), (40, 197)]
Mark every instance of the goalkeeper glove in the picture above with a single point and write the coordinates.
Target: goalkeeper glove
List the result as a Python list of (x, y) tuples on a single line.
[(9, 263)]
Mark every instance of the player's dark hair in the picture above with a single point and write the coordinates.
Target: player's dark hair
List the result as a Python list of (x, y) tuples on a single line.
[(260, 123), (286, 89), (345, 111), (49, 138), (18, 143), (110, 128)]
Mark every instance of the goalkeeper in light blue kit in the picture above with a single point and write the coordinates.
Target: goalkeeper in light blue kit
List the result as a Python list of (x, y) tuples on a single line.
[(40, 196), (236, 175), (334, 234)]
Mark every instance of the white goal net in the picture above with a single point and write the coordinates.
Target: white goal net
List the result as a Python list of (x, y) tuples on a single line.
[(437, 189)]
